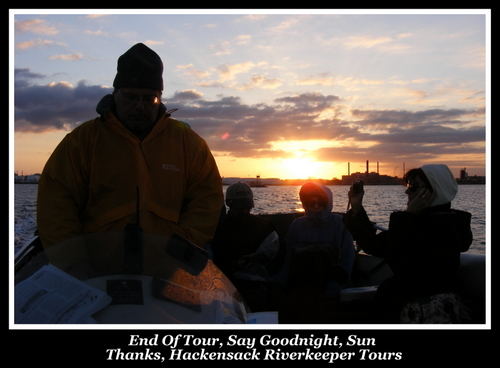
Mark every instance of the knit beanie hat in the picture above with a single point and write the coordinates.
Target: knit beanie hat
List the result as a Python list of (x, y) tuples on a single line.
[(239, 195), (139, 67)]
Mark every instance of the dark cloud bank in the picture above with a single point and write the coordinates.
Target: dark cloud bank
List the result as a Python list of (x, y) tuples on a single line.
[(236, 129)]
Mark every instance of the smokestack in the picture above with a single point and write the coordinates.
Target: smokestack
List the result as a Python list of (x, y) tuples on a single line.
[(367, 166), (348, 169), (377, 167)]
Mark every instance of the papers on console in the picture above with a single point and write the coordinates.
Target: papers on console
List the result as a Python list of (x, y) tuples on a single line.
[(51, 296)]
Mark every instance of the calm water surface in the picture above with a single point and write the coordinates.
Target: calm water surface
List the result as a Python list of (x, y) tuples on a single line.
[(379, 202)]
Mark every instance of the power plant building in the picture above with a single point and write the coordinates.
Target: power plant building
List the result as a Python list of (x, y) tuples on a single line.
[(369, 177)]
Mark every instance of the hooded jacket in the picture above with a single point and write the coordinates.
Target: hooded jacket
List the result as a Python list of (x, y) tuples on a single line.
[(101, 177), (422, 250), (323, 227)]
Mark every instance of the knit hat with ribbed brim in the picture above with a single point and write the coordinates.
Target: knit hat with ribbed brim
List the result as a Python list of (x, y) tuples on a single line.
[(139, 67), (239, 195)]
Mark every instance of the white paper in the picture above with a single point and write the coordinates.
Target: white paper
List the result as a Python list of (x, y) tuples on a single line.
[(52, 296)]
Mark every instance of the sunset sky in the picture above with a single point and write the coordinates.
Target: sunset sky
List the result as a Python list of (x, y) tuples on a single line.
[(289, 94)]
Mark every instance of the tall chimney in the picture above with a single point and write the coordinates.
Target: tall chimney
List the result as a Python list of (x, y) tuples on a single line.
[(367, 166)]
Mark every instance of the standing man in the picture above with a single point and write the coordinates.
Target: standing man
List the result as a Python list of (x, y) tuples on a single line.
[(132, 160)]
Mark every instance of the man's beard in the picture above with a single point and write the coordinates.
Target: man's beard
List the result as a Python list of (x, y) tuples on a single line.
[(139, 124)]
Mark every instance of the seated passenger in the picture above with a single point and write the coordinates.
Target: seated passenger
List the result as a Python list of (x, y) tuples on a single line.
[(320, 249), (244, 246), (423, 243)]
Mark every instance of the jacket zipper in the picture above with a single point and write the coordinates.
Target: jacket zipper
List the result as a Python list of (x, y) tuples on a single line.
[(142, 172)]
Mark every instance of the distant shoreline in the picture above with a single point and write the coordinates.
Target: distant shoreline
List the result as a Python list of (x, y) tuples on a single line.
[(300, 182)]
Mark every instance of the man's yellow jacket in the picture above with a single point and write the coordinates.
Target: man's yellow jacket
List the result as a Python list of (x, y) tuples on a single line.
[(101, 173)]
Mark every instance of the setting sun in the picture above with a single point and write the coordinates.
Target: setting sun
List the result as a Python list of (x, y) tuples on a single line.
[(303, 168)]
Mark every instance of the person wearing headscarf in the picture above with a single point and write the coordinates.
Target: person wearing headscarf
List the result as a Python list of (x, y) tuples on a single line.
[(319, 249), (422, 244)]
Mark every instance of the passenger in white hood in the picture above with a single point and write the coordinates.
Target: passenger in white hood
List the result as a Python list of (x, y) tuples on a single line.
[(423, 243), (429, 186), (443, 183)]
